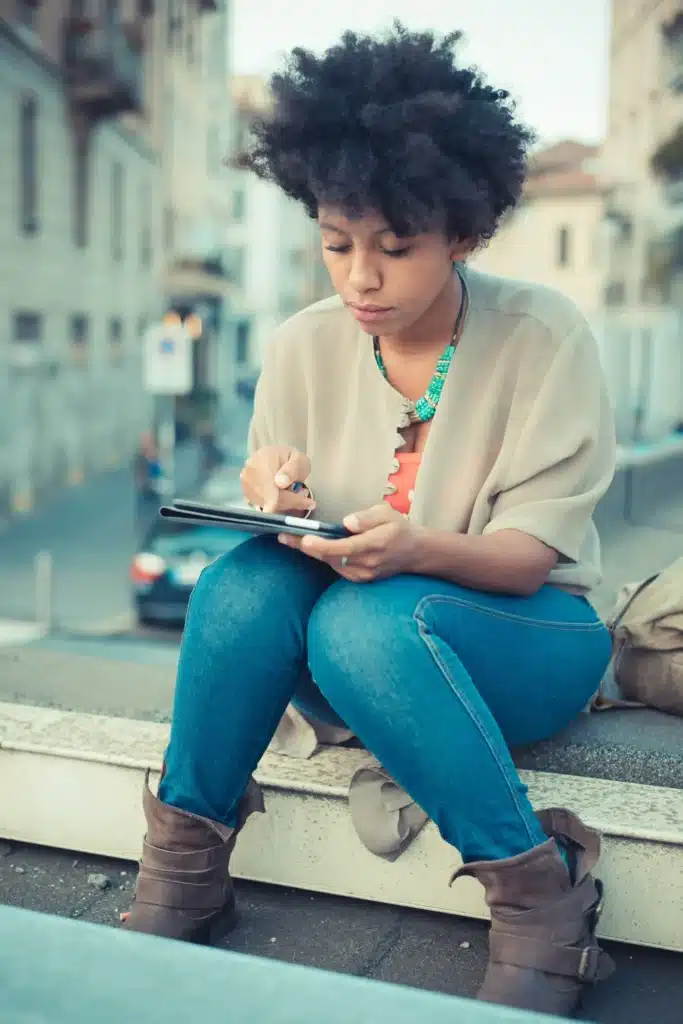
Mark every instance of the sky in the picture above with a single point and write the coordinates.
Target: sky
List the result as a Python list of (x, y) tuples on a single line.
[(550, 54)]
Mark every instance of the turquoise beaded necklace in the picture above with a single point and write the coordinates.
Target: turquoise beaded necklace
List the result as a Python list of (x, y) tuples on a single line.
[(424, 408)]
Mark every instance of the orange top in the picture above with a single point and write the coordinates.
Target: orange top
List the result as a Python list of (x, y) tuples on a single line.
[(404, 481)]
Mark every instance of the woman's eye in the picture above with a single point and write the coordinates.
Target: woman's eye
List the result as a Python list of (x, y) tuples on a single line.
[(337, 248), (397, 253)]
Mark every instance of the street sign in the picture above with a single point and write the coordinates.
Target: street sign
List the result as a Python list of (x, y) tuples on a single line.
[(167, 364)]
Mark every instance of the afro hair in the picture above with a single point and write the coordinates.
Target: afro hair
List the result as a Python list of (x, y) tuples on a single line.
[(393, 125)]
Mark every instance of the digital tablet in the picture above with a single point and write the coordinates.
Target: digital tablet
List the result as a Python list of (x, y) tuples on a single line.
[(249, 520)]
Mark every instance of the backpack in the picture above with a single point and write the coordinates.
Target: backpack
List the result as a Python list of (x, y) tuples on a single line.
[(647, 634)]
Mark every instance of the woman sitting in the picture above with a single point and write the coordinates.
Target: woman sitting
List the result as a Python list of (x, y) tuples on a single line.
[(458, 424)]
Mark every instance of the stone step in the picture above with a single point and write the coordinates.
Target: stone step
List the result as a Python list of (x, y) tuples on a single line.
[(73, 781)]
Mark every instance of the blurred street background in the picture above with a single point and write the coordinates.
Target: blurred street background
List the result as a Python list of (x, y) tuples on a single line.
[(126, 227), (143, 273)]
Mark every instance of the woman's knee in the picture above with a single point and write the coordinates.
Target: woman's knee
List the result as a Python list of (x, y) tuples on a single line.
[(253, 584), (352, 627)]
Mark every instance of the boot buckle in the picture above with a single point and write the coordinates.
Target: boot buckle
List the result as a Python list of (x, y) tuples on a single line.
[(589, 964)]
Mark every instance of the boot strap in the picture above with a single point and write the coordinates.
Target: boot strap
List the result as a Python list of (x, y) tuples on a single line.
[(587, 963), (180, 895)]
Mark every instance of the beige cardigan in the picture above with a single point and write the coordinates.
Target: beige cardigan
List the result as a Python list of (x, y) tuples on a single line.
[(523, 438)]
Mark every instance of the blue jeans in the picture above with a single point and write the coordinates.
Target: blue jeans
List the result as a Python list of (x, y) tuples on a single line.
[(438, 681)]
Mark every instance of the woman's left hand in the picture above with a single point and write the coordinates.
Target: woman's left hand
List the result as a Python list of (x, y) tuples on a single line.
[(383, 545)]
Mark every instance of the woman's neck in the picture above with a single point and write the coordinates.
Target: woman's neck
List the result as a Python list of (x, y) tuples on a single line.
[(434, 329)]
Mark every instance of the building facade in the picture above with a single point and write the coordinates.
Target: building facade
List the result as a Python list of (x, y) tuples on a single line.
[(642, 163), (114, 208), (556, 236), (78, 234), (193, 91), (275, 250)]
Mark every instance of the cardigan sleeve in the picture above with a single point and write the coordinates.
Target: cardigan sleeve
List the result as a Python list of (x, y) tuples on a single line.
[(564, 456)]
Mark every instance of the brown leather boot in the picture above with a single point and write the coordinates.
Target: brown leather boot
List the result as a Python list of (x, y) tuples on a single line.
[(184, 890), (542, 945)]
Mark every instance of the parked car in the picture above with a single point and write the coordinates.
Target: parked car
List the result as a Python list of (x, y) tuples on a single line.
[(168, 563)]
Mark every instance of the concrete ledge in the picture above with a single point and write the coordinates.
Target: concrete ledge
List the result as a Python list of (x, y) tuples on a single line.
[(635, 745), (624, 746), (73, 781)]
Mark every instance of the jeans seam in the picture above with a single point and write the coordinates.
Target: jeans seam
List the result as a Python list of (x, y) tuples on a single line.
[(568, 627), (441, 665)]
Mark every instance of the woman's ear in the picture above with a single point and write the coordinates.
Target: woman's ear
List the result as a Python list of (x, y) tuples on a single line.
[(461, 249)]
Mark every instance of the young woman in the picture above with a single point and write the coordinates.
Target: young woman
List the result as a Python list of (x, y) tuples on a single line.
[(459, 426)]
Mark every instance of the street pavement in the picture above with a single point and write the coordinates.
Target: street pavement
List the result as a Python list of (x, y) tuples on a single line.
[(391, 944), (91, 531)]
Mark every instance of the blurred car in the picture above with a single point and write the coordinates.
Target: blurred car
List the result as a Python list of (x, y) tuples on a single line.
[(168, 564)]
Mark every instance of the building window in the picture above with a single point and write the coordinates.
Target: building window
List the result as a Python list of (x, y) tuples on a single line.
[(242, 346), (615, 293), (79, 332), (174, 24), (239, 205), (28, 327), (81, 185), (117, 207), (563, 247), (145, 225), (28, 164), (190, 39), (27, 336), (27, 13), (236, 265), (116, 341), (169, 228)]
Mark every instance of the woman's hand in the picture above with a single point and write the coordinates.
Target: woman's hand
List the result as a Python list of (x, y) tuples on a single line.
[(268, 475), (383, 545)]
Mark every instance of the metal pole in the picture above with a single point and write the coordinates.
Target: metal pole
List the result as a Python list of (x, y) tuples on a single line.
[(44, 577), (167, 441)]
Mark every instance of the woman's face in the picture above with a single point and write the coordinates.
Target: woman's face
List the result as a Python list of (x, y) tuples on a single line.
[(388, 282)]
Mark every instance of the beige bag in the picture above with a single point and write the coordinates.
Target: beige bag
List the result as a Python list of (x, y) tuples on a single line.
[(647, 629)]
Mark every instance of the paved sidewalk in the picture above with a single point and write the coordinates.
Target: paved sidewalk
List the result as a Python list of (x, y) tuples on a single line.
[(90, 531)]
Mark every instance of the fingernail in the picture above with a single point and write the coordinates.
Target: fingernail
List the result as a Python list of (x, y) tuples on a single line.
[(282, 480), (352, 523)]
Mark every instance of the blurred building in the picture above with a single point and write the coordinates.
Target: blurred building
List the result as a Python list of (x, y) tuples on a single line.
[(77, 237), (113, 209), (275, 253), (193, 92), (641, 331), (555, 235), (643, 153)]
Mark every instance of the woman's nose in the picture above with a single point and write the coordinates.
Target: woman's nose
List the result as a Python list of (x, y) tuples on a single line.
[(363, 276)]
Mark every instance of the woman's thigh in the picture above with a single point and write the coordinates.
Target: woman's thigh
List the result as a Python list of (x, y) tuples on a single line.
[(257, 597), (535, 661)]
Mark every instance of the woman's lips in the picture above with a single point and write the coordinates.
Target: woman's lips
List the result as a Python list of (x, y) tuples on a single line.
[(370, 314)]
